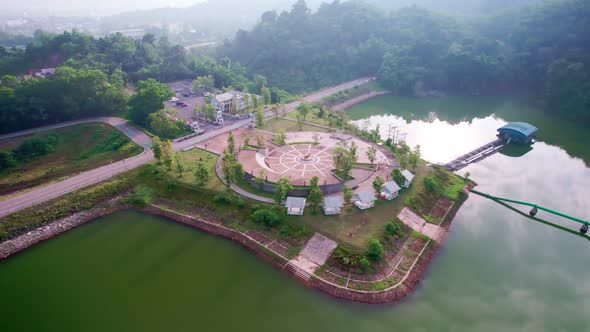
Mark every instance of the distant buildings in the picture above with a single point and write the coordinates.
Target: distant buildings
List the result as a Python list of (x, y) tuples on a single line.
[(39, 73), (132, 33)]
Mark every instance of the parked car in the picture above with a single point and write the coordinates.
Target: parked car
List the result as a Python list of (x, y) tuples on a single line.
[(179, 103)]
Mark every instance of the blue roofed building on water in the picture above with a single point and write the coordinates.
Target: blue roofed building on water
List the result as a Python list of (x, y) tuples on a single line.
[(518, 132)]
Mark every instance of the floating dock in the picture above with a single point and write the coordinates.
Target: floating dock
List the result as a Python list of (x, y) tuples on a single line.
[(476, 155), (514, 132)]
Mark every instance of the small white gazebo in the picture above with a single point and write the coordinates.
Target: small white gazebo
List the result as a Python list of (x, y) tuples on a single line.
[(409, 177), (390, 190), (364, 200), (295, 205), (332, 205)]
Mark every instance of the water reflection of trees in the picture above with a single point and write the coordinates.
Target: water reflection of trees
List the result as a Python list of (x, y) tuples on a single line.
[(570, 136)]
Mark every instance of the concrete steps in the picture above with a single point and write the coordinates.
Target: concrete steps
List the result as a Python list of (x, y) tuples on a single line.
[(297, 272)]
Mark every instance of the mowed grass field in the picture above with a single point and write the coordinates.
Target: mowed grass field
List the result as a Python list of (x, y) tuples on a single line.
[(288, 126), (76, 149)]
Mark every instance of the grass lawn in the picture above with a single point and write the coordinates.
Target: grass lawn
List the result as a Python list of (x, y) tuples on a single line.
[(77, 148), (364, 225), (191, 158), (311, 117), (274, 124)]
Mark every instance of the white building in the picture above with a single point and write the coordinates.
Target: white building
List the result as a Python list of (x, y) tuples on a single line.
[(364, 200), (390, 190), (295, 205), (332, 205), (409, 177), (225, 102)]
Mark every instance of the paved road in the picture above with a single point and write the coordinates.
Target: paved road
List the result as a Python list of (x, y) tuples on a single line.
[(136, 135), (97, 175)]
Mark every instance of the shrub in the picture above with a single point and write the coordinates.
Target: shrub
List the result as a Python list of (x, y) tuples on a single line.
[(375, 251), (364, 264), (142, 196), (431, 184), (224, 198), (240, 203), (394, 228), (266, 217)]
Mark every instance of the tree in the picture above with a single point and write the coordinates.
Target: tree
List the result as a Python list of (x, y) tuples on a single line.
[(234, 105), (372, 154), (163, 124), (260, 179), (414, 157), (345, 159), (157, 148), (304, 109), (231, 168), (316, 196), (282, 189), (375, 252), (201, 174), (348, 194), (150, 98), (266, 96), (260, 118), (398, 177), (276, 110), (180, 168), (299, 121), (210, 112), (167, 154), (204, 82), (280, 136), (377, 184), (231, 144)]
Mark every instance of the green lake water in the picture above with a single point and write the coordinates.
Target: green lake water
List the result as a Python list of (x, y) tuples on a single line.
[(498, 270)]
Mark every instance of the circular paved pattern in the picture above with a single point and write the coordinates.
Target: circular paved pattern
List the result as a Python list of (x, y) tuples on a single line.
[(305, 160)]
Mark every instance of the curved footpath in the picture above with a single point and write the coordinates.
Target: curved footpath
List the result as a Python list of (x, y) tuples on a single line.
[(94, 176)]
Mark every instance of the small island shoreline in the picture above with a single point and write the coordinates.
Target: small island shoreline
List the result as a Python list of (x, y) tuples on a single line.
[(17, 245)]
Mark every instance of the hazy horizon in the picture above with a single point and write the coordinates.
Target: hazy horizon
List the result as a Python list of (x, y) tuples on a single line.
[(86, 7)]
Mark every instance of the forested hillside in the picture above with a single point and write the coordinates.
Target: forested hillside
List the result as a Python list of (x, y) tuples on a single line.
[(543, 51), (93, 75)]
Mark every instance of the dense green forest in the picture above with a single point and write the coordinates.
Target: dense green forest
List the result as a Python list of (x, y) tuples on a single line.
[(543, 51)]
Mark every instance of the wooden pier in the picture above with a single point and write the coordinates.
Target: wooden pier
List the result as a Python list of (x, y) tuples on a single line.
[(476, 155)]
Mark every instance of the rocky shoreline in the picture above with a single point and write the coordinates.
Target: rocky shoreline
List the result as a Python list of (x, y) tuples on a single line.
[(13, 246)]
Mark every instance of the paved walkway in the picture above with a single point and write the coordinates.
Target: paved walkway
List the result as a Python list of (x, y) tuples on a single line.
[(420, 225)]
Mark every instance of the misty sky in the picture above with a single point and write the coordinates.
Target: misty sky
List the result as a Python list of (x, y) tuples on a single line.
[(89, 6)]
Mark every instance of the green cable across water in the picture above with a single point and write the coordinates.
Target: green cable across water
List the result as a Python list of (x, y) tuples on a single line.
[(584, 222)]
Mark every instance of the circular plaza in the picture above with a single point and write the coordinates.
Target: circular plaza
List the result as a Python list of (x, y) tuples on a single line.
[(304, 156)]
